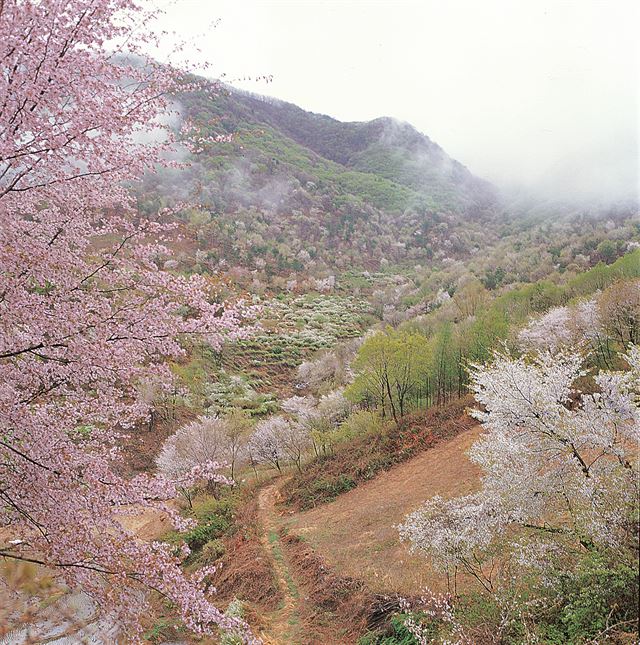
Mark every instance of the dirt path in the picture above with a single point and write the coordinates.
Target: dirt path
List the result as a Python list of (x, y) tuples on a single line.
[(357, 534), (284, 623)]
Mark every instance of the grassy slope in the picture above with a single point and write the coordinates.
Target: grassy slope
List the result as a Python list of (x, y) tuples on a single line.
[(356, 534), (362, 459)]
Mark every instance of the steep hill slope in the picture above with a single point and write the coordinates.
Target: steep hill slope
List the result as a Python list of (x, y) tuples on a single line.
[(295, 196), (294, 190), (384, 146), (357, 532)]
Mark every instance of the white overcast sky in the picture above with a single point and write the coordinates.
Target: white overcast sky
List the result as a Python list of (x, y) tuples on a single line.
[(535, 93)]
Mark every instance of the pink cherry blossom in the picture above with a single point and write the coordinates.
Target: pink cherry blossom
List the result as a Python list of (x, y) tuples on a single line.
[(87, 316)]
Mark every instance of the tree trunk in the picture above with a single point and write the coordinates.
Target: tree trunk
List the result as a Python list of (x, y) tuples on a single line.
[(393, 407)]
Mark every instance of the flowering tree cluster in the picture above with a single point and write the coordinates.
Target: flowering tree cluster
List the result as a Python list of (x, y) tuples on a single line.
[(281, 439), (608, 321), (199, 446), (319, 418), (277, 441), (87, 316), (330, 369), (559, 466), (207, 439)]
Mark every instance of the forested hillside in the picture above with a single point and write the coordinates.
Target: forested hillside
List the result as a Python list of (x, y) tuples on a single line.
[(272, 377), (295, 195)]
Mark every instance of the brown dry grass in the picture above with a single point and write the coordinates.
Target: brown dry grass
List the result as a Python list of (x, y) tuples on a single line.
[(246, 569), (363, 459), (318, 606), (356, 534), (333, 608)]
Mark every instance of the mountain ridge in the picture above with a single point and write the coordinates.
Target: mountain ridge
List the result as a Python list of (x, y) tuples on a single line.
[(384, 146)]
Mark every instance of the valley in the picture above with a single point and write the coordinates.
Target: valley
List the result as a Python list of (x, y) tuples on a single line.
[(271, 377)]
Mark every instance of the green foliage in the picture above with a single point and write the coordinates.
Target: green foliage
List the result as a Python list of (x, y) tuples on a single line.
[(468, 328), (83, 431), (396, 634), (485, 333), (358, 424), (215, 519), (390, 366), (600, 593), (161, 630), (601, 276), (212, 551), (207, 507), (593, 600), (493, 278), (328, 488), (607, 249), (213, 528)]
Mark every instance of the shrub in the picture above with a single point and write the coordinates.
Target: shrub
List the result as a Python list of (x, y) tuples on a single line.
[(205, 508), (214, 528), (212, 551), (329, 488), (396, 634), (599, 594), (358, 424)]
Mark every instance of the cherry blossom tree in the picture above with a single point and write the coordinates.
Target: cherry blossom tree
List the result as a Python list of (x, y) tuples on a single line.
[(266, 444), (194, 446), (330, 368), (219, 439), (86, 314), (295, 442), (237, 428), (619, 311), (551, 331), (301, 407), (315, 372), (315, 420), (604, 324), (334, 407), (559, 466), (277, 440)]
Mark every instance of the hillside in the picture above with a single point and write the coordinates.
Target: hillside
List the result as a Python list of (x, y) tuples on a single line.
[(295, 195), (357, 532), (269, 377), (294, 190), (384, 146)]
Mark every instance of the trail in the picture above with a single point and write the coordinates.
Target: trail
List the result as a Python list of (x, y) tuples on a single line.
[(283, 624), (357, 534)]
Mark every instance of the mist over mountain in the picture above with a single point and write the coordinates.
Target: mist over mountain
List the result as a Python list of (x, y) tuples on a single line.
[(362, 192), (383, 146), (289, 191)]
